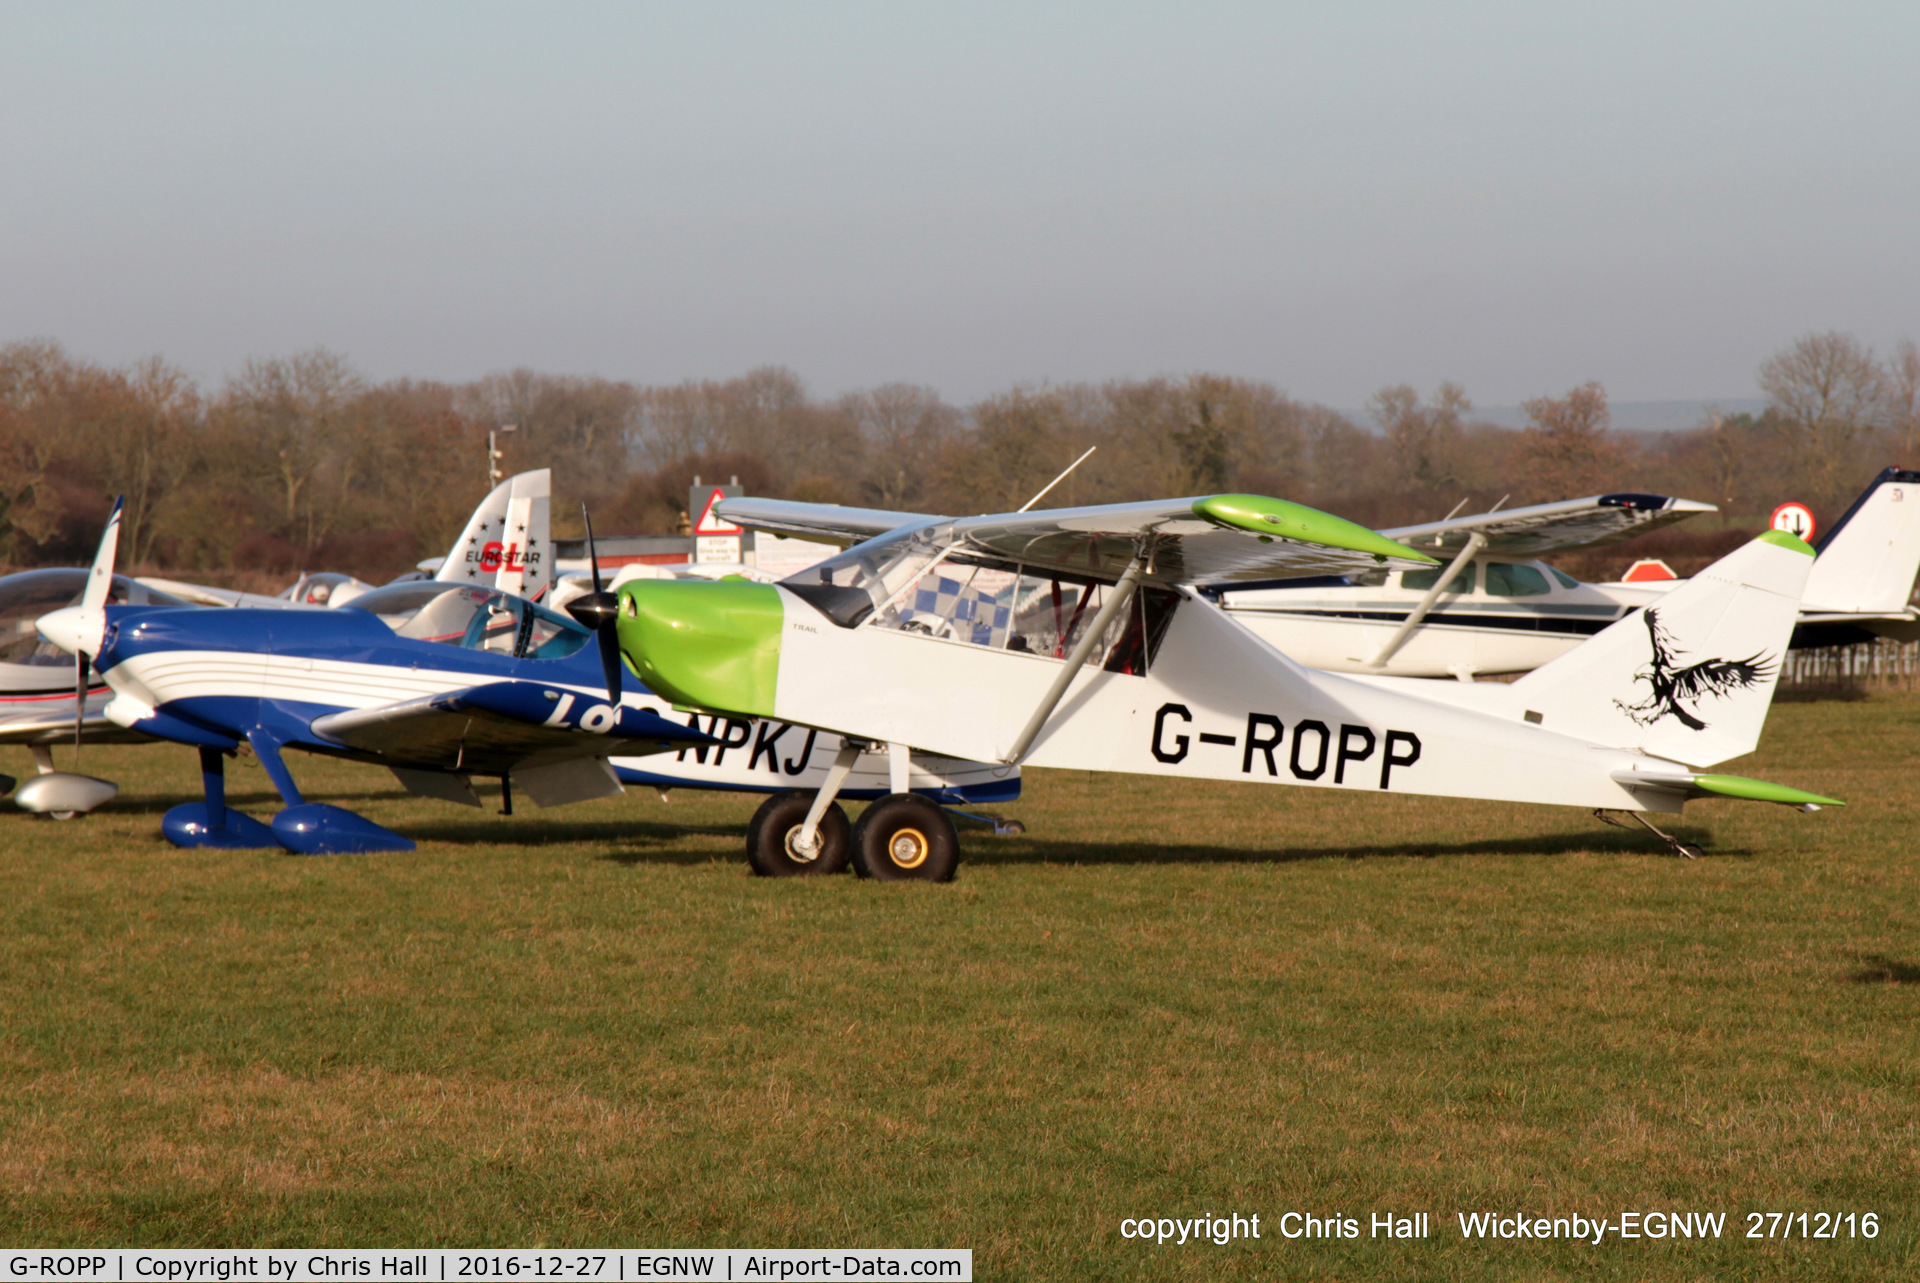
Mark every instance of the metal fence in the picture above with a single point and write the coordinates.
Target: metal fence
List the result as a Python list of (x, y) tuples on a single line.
[(1875, 665)]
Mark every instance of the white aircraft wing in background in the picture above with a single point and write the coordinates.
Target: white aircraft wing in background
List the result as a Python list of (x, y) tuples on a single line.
[(1545, 528), (826, 522)]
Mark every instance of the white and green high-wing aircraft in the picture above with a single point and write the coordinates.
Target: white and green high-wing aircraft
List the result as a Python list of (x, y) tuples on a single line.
[(1067, 638)]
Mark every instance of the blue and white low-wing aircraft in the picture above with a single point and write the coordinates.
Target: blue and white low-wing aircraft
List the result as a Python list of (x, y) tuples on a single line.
[(440, 681), (1071, 638), (504, 545)]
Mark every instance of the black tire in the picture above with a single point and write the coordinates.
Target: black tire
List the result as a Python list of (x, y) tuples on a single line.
[(771, 831), (905, 837)]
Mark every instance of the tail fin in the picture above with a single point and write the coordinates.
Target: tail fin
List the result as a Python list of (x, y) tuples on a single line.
[(491, 552), (1689, 678), (526, 558), (1868, 559)]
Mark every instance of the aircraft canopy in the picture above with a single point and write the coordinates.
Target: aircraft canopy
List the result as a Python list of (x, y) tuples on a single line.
[(473, 618)]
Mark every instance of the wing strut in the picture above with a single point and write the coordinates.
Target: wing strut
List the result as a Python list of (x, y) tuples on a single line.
[(1475, 542), (1082, 651)]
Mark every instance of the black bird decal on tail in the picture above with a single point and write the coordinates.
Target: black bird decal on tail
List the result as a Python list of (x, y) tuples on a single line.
[(1693, 683)]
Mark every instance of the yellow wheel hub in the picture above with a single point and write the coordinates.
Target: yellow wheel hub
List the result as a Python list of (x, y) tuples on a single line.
[(908, 848)]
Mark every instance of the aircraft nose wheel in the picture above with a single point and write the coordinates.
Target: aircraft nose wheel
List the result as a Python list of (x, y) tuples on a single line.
[(773, 849), (904, 836)]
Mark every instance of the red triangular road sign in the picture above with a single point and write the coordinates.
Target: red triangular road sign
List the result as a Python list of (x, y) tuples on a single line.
[(710, 524)]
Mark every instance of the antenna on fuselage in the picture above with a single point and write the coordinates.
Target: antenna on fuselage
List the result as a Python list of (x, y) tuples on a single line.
[(1056, 481)]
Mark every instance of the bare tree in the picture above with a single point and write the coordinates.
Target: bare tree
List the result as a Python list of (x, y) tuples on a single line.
[(903, 427), (1423, 440), (295, 413), (147, 450), (1828, 387), (1568, 451), (1901, 384)]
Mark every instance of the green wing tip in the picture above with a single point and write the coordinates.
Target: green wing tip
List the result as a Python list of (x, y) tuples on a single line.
[(1263, 515), (1761, 790), (1786, 539)]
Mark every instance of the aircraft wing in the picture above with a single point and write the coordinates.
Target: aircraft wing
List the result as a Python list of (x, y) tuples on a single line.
[(57, 728), (503, 726), (201, 595), (1555, 527), (1206, 539), (827, 522)]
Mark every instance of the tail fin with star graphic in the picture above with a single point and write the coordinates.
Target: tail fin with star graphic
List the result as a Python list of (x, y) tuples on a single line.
[(506, 542)]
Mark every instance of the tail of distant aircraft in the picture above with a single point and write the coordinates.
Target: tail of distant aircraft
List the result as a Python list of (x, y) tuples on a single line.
[(1690, 677), (506, 544), (1868, 559)]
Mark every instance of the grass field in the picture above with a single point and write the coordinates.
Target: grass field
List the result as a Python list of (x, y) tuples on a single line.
[(593, 1027)]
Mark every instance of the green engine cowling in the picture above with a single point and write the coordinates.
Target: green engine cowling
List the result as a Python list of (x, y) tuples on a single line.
[(704, 644)]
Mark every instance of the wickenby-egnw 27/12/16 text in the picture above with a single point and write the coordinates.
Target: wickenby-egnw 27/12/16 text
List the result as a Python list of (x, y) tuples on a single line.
[(1220, 1231)]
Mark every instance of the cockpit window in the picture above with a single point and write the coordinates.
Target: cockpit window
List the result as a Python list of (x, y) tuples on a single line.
[(914, 582), (32, 593), (473, 619), (1566, 580), (875, 575), (1508, 579), (1423, 580)]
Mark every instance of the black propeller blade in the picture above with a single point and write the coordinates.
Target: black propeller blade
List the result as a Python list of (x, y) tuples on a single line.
[(600, 610), (79, 703)]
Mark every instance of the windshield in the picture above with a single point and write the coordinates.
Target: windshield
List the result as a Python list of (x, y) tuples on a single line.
[(324, 588), (473, 618), (32, 593), (871, 576)]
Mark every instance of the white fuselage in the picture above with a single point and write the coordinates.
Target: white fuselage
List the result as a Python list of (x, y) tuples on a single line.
[(1509, 617), (1217, 702)]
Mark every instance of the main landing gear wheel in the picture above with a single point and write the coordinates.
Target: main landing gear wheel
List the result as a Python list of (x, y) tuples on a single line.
[(904, 836), (772, 833)]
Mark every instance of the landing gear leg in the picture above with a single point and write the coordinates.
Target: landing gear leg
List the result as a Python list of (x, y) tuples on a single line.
[(1685, 850), (315, 828), (213, 822), (792, 835), (808, 838)]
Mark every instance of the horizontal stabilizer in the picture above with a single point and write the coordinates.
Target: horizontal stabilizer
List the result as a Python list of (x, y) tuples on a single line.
[(1736, 786)]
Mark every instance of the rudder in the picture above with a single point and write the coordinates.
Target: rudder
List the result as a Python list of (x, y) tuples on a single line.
[(1867, 561)]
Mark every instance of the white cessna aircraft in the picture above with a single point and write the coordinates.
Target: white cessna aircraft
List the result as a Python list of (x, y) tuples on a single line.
[(1070, 638), (1495, 609)]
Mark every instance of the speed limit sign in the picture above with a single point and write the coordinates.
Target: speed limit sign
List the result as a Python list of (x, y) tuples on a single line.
[(1794, 518)]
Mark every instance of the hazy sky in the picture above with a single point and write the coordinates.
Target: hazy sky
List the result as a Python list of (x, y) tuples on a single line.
[(1332, 196)]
